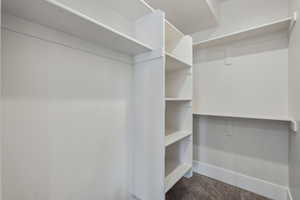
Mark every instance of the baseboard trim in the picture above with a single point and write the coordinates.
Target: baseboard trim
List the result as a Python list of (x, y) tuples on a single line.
[(258, 186)]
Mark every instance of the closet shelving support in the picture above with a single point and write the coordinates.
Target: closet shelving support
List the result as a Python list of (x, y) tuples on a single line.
[(178, 102), (62, 17), (275, 26)]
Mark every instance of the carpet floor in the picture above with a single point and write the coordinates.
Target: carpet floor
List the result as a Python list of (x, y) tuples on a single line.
[(203, 188)]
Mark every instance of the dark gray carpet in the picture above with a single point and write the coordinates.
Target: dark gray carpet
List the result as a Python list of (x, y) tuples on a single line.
[(203, 188)]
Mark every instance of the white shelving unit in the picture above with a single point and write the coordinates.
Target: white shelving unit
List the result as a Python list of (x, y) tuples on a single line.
[(136, 30), (276, 26), (82, 21), (178, 111)]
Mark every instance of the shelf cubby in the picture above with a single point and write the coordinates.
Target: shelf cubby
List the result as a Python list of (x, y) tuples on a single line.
[(177, 45), (178, 162), (174, 63), (178, 84), (178, 116)]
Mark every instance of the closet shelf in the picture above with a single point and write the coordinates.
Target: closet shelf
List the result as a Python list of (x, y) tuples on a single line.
[(174, 137), (178, 99), (276, 26), (174, 63), (176, 175), (76, 23), (172, 33), (244, 116)]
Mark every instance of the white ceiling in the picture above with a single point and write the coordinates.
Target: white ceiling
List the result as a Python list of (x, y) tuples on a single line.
[(189, 16)]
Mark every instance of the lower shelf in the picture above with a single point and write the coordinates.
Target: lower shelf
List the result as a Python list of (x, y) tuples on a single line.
[(244, 116), (176, 175), (174, 137)]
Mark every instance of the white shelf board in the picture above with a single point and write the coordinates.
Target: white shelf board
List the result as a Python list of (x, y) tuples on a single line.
[(178, 99), (172, 33), (173, 63), (176, 175), (272, 27), (174, 137), (53, 14), (286, 119), (197, 14)]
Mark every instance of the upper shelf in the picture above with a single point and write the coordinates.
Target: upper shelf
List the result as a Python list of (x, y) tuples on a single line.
[(57, 15), (197, 15), (174, 63), (280, 25)]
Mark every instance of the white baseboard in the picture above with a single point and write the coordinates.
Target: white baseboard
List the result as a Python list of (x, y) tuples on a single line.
[(258, 186)]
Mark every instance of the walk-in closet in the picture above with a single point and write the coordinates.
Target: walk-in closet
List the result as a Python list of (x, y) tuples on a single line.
[(150, 100)]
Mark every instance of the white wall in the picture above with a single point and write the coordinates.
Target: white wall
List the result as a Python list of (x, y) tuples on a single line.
[(256, 148), (251, 85), (294, 102), (66, 110), (241, 14), (254, 84)]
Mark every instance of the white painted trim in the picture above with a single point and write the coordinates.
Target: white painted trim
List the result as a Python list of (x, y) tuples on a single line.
[(258, 186), (289, 194)]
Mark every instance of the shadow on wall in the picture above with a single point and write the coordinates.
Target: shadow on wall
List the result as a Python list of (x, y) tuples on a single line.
[(262, 139)]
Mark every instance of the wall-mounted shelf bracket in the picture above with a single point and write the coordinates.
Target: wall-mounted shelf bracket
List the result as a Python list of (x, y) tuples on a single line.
[(293, 21), (294, 126)]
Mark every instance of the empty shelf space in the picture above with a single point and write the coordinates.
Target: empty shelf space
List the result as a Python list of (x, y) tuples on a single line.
[(176, 175), (178, 99), (172, 33), (66, 19), (175, 63), (177, 47), (272, 27), (173, 137), (244, 116)]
